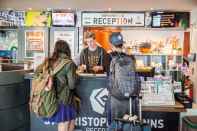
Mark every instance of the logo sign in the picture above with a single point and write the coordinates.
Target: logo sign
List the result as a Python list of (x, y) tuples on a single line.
[(113, 19), (92, 116), (98, 100)]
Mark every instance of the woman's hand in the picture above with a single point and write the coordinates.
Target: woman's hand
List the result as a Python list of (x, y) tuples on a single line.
[(82, 68)]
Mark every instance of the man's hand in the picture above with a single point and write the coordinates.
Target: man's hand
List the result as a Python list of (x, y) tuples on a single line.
[(97, 68)]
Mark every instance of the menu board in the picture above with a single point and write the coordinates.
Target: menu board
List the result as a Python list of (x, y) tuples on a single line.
[(63, 19), (34, 42), (38, 18), (170, 19), (163, 19), (12, 18)]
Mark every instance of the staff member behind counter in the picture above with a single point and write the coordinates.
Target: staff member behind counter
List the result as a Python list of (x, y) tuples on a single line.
[(93, 59)]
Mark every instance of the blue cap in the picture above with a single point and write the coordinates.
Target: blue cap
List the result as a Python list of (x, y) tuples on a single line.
[(116, 38)]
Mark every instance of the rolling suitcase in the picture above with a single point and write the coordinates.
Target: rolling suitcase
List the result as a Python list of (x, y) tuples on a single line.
[(135, 124)]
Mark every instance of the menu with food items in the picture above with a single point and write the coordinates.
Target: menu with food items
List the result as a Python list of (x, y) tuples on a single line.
[(170, 19)]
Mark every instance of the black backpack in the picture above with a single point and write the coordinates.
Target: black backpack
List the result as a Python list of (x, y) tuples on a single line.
[(124, 81)]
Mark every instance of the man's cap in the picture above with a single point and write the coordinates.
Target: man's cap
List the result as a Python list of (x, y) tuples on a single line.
[(116, 38)]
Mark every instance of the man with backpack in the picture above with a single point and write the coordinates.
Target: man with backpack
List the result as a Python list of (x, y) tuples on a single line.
[(124, 82)]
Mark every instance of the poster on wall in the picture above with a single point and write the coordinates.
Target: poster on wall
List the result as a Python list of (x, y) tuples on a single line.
[(135, 19), (67, 36), (38, 18), (63, 19), (34, 42), (8, 40), (12, 18)]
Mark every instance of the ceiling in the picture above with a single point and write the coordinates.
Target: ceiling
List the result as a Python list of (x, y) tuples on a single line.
[(118, 5)]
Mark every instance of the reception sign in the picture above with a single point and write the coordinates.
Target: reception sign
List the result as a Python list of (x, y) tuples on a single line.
[(38, 18), (113, 19)]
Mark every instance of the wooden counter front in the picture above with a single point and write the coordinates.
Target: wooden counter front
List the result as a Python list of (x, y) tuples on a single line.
[(178, 107)]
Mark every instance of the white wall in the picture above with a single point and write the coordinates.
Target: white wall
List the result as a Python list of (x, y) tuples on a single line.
[(193, 48), (130, 5)]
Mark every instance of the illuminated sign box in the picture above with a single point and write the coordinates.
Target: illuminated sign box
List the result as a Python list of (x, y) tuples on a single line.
[(135, 19), (170, 19), (38, 18), (63, 19)]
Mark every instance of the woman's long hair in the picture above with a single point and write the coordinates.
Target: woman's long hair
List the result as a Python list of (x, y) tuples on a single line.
[(61, 48)]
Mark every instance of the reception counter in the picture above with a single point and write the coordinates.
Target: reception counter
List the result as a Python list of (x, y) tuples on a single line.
[(14, 95), (93, 92)]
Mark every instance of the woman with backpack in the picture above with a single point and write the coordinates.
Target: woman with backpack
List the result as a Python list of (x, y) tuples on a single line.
[(64, 82)]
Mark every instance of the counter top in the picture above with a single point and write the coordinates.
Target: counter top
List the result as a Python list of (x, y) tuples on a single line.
[(178, 107), (91, 75)]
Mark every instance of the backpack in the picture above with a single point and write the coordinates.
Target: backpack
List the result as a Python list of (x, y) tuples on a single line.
[(123, 78), (43, 99)]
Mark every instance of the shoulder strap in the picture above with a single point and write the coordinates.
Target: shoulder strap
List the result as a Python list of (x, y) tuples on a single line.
[(113, 68), (60, 66)]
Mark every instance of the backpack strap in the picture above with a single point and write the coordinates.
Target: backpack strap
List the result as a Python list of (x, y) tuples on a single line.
[(60, 66), (113, 70)]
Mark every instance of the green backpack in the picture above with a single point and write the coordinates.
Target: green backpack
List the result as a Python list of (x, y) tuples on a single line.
[(43, 99)]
